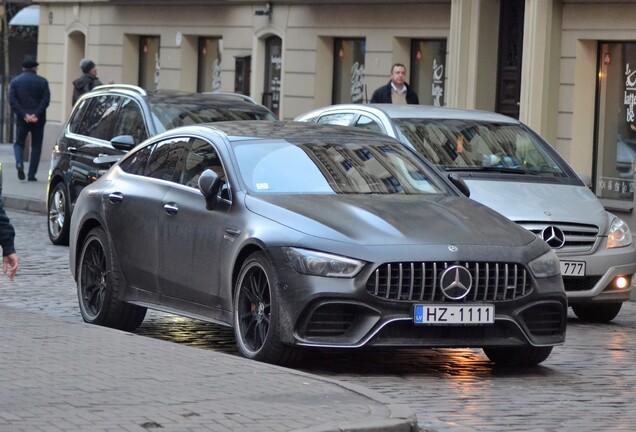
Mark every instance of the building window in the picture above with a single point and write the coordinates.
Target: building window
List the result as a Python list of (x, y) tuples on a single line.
[(348, 71), (428, 66), (209, 71), (149, 62), (616, 121)]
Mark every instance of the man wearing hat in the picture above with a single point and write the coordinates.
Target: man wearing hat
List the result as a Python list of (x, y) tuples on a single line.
[(29, 96), (86, 82)]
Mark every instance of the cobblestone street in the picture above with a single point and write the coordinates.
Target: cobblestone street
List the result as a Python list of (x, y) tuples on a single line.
[(586, 385)]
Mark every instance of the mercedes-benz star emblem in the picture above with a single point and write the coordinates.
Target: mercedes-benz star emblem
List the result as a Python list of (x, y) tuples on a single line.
[(455, 282), (553, 236)]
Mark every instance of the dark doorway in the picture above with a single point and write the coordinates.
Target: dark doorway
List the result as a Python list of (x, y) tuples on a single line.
[(243, 69), (509, 58)]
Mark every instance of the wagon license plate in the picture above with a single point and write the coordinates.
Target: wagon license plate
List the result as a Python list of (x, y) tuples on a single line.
[(454, 314), (573, 268)]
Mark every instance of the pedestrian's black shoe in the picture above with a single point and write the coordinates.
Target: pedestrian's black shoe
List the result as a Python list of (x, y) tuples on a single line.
[(20, 172), (31, 178)]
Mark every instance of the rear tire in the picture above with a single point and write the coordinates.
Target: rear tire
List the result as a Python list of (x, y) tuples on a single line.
[(99, 286), (597, 312), (257, 313), (59, 219), (517, 356)]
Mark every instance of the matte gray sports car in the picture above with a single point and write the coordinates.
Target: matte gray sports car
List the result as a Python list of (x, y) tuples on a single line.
[(306, 235)]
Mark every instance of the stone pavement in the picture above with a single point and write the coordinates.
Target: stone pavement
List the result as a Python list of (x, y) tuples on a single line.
[(58, 375), (23, 195)]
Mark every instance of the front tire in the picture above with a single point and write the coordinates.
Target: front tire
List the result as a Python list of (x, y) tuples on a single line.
[(597, 313), (257, 313), (58, 216), (99, 286), (517, 356)]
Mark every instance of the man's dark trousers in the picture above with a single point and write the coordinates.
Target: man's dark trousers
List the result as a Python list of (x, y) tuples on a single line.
[(37, 136)]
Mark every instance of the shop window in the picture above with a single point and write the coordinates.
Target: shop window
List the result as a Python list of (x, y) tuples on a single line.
[(149, 62), (273, 67), (428, 66), (209, 61), (348, 71), (616, 122)]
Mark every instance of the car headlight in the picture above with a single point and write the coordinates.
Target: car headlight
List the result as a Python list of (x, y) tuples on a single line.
[(547, 265), (322, 264), (619, 234)]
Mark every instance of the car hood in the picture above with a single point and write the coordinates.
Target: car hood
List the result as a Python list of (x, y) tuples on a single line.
[(391, 219), (540, 202)]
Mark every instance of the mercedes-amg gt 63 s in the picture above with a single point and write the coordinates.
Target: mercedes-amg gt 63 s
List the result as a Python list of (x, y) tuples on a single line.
[(306, 235)]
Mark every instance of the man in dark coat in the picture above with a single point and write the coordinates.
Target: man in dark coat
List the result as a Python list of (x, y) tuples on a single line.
[(29, 96), (397, 91), (86, 82)]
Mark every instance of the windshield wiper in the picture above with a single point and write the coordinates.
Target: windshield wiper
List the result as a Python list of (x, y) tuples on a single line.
[(506, 170)]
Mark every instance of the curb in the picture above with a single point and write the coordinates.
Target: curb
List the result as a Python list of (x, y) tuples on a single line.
[(25, 204)]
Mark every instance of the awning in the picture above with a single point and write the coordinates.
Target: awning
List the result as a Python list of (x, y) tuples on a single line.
[(29, 16)]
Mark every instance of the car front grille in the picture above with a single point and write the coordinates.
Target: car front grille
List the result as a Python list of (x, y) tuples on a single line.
[(420, 281), (577, 237)]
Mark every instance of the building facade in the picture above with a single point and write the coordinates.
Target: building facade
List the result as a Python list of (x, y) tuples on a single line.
[(567, 68)]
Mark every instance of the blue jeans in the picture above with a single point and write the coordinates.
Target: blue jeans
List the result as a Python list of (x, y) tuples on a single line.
[(37, 136)]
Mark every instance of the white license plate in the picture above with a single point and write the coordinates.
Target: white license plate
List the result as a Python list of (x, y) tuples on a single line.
[(454, 314), (573, 268)]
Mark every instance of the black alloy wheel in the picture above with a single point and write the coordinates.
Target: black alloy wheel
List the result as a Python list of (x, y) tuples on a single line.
[(58, 217), (98, 286), (256, 313)]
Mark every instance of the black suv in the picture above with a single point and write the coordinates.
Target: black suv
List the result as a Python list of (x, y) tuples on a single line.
[(111, 120)]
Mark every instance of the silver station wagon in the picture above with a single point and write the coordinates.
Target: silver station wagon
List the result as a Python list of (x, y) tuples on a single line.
[(511, 169)]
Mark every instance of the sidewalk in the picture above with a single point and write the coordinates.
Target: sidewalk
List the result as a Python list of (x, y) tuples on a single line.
[(58, 375), (21, 194)]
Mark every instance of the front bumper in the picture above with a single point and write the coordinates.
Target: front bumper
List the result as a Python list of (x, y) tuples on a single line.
[(330, 312), (602, 269)]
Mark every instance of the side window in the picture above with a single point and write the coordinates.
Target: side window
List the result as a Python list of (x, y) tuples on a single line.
[(74, 125), (137, 161), (130, 121), (368, 123), (99, 120), (201, 156), (165, 157), (343, 119)]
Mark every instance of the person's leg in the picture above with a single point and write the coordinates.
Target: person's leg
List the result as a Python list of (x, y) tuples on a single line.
[(37, 136), (21, 131)]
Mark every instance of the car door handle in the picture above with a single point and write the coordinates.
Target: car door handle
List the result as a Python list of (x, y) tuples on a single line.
[(71, 149), (232, 231), (116, 197), (171, 208)]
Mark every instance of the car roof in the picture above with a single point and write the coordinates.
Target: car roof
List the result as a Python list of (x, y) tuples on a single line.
[(177, 97), (287, 129), (418, 111)]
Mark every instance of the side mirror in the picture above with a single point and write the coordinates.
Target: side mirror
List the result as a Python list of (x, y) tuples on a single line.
[(123, 142), (210, 185), (459, 183)]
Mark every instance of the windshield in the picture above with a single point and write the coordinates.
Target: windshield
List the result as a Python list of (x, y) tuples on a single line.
[(171, 113), (459, 145), (326, 168)]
